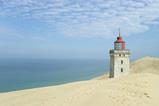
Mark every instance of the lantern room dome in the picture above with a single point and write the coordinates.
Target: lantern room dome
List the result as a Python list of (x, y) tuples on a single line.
[(119, 44), (119, 40)]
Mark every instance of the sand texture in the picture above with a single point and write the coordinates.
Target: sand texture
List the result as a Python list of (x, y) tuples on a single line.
[(139, 88)]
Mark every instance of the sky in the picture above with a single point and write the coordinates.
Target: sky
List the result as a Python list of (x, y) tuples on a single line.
[(77, 29)]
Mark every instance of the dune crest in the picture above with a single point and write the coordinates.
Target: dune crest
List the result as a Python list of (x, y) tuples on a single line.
[(146, 65), (139, 88)]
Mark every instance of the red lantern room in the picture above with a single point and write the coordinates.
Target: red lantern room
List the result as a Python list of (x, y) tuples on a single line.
[(119, 44)]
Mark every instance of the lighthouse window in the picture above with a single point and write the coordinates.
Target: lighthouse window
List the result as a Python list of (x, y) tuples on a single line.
[(121, 61), (121, 69)]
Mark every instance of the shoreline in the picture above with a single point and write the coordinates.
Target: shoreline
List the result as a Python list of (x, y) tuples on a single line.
[(58, 84), (97, 77)]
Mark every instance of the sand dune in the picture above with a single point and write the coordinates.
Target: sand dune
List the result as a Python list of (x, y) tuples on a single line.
[(146, 65), (140, 88)]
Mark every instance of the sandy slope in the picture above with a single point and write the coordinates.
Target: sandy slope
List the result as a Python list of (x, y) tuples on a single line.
[(140, 88), (146, 65)]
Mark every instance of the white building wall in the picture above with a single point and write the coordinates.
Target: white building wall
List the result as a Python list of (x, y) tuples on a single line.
[(117, 68)]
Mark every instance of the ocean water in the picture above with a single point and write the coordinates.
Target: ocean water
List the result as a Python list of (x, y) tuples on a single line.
[(18, 74)]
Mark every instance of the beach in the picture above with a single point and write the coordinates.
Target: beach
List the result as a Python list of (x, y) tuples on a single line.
[(139, 88)]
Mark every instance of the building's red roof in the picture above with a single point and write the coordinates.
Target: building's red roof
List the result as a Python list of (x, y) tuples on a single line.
[(119, 40)]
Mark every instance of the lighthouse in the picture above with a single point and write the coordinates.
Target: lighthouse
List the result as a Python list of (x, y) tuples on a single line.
[(119, 58)]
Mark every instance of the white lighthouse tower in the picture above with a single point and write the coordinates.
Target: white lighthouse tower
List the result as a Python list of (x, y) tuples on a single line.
[(119, 59)]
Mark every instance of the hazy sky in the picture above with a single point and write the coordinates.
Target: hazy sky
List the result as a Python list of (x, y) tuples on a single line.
[(77, 28)]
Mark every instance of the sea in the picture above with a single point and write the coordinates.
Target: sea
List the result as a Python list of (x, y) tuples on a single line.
[(19, 74)]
